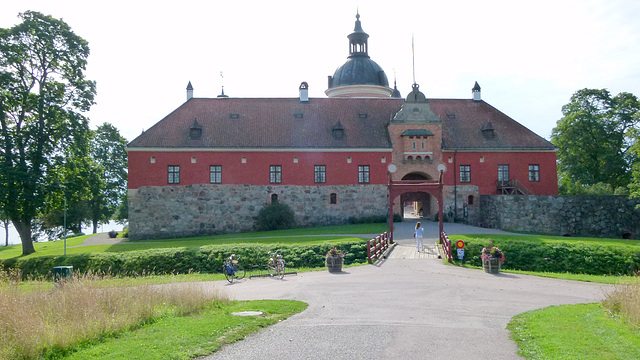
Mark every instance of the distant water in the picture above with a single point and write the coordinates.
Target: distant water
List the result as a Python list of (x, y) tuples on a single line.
[(14, 238)]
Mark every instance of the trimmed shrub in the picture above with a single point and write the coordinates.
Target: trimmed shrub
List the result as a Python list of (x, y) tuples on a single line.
[(276, 216), (559, 256), (205, 259)]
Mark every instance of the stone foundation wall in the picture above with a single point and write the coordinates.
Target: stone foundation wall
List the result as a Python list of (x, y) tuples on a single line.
[(192, 210), (456, 210), (599, 216)]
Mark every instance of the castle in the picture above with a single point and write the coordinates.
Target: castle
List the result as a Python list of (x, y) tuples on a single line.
[(211, 165)]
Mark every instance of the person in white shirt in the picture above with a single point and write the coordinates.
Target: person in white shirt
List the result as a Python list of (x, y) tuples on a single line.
[(418, 235)]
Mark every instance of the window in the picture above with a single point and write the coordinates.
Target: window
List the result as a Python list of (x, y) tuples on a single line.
[(274, 198), (465, 173), (414, 145), (215, 174), (503, 172), (333, 198), (470, 200), (363, 174), (275, 174), (174, 174), (534, 173), (422, 145), (320, 174)]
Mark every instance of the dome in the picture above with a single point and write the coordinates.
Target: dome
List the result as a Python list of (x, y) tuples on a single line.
[(359, 76), (359, 70)]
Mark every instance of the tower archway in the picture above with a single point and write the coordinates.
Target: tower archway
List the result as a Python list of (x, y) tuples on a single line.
[(416, 204)]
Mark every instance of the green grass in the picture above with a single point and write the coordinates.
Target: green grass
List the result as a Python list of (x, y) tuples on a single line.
[(290, 236), (582, 331), (548, 238), (190, 336)]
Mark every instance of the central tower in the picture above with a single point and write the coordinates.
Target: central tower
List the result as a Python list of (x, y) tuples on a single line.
[(359, 76)]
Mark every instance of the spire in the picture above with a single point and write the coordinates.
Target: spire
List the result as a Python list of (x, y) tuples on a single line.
[(222, 95), (358, 40)]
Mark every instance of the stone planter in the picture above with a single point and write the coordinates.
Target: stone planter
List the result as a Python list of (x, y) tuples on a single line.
[(334, 263), (491, 265)]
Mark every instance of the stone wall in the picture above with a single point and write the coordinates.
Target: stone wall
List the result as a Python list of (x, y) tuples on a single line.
[(192, 210), (461, 194), (599, 216)]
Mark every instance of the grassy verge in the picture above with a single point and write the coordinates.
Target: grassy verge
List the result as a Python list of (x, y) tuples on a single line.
[(574, 332), (290, 236), (190, 336)]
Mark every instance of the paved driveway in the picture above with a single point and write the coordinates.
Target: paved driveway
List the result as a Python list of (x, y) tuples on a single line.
[(399, 309)]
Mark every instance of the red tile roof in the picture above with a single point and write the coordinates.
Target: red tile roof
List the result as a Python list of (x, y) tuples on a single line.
[(272, 123), (464, 119), (277, 123)]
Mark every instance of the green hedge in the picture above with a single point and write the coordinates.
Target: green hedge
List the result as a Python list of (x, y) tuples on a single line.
[(558, 256), (205, 259)]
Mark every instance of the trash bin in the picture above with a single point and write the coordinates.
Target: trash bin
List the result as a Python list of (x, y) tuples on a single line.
[(62, 273)]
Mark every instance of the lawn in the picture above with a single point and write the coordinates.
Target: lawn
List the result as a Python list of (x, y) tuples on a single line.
[(190, 336), (584, 331), (291, 236)]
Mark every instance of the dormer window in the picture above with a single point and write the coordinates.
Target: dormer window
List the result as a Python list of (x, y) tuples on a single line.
[(488, 131), (298, 116), (362, 116), (234, 116), (195, 131), (337, 131)]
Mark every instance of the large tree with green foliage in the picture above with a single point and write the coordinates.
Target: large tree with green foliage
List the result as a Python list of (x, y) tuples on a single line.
[(43, 95), (109, 152), (594, 138)]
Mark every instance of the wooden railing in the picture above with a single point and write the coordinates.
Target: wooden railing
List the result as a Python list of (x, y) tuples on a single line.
[(377, 246), (512, 187), (446, 245)]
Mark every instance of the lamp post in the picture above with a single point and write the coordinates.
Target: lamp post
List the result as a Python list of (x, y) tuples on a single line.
[(64, 226)]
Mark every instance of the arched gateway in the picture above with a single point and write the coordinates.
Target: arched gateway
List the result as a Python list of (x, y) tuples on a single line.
[(431, 187)]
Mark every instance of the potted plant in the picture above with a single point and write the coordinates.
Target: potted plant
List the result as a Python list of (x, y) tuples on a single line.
[(334, 260), (492, 258)]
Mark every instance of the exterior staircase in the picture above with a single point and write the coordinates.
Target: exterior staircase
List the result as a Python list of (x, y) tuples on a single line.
[(512, 187)]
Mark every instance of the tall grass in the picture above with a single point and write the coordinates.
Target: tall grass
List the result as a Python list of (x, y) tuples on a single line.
[(43, 320), (625, 301)]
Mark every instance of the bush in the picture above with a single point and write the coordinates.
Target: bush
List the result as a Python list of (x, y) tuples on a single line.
[(368, 219), (559, 256), (125, 232), (276, 216), (113, 234), (205, 259)]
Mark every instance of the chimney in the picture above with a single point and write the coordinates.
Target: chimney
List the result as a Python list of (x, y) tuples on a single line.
[(476, 92), (304, 92), (189, 91)]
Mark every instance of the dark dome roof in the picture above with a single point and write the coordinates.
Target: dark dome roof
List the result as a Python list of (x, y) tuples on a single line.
[(359, 70)]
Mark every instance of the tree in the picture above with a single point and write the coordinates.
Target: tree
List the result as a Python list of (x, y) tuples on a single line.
[(43, 95), (594, 138), (109, 151)]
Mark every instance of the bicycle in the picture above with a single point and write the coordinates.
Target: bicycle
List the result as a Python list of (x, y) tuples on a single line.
[(275, 266), (233, 270)]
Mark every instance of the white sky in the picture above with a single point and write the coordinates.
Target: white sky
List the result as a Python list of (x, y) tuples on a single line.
[(528, 57)]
